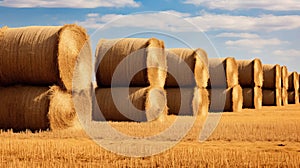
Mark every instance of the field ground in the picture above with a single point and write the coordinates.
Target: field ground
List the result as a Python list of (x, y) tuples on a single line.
[(269, 137)]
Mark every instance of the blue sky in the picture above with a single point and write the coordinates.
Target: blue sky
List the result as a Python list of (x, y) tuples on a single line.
[(269, 29)]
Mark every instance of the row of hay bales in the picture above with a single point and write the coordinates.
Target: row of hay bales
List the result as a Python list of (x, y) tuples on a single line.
[(137, 79), (36, 75)]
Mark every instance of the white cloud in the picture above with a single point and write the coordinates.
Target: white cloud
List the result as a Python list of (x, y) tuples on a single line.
[(275, 5), (68, 3), (92, 15), (238, 35), (176, 21), (257, 43), (287, 53), (246, 23)]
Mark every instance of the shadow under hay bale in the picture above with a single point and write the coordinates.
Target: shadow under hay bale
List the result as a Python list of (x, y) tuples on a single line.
[(35, 108), (141, 62), (226, 100), (130, 104), (45, 55), (250, 73), (190, 67), (187, 101)]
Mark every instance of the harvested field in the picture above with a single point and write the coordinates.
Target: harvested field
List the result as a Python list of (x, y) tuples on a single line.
[(268, 137)]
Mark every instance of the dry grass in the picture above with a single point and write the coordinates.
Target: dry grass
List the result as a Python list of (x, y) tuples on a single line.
[(269, 137)]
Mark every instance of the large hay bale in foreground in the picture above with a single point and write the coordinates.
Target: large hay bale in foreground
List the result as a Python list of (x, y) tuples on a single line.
[(223, 73), (250, 73), (188, 66), (272, 76), (226, 100), (252, 97), (187, 101), (271, 97), (140, 62), (130, 104), (35, 108), (45, 55)]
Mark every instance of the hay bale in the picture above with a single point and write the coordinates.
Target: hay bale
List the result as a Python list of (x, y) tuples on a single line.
[(284, 77), (226, 100), (143, 62), (293, 81), (181, 62), (252, 97), (45, 55), (250, 73), (284, 96), (131, 104), (223, 72), (272, 76), (293, 97), (35, 108), (271, 97), (187, 101)]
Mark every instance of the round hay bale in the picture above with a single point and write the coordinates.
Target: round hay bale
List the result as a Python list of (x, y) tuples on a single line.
[(45, 55), (187, 101), (250, 73), (293, 81), (284, 77), (272, 76), (146, 60), (271, 97), (252, 97), (223, 72), (24, 107), (293, 97), (36, 108), (226, 100), (196, 60), (142, 104)]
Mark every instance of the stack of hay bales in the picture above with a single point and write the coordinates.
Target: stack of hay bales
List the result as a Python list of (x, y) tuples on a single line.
[(293, 89), (39, 69), (187, 81), (251, 81), (284, 85), (271, 85), (130, 74), (224, 90)]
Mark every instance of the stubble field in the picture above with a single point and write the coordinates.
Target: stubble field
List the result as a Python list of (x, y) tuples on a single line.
[(269, 137)]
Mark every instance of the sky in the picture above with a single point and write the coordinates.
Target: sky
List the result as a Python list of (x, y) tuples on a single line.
[(244, 29)]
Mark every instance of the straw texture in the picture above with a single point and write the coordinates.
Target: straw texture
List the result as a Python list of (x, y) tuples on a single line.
[(187, 101), (272, 76), (190, 67), (142, 62), (284, 77), (250, 73), (223, 72), (293, 97), (229, 100), (36, 108), (44, 55), (252, 97), (131, 104), (272, 97)]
